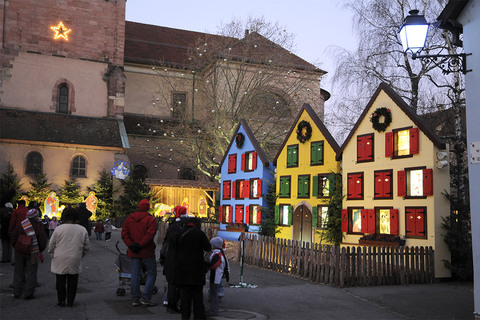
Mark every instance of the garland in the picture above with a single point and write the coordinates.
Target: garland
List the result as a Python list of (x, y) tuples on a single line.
[(377, 115), (304, 131), (239, 139)]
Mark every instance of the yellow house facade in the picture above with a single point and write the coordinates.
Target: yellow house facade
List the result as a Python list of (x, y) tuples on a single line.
[(304, 164), (395, 171)]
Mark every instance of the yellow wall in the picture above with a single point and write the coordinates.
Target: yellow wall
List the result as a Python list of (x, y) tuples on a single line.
[(437, 205), (304, 167)]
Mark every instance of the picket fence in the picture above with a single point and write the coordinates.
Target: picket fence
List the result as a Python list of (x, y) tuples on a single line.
[(341, 266)]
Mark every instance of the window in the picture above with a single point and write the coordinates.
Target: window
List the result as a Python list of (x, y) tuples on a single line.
[(355, 220), (253, 214), (63, 98), (365, 148), (241, 189), (383, 184), (292, 156), (225, 215), (226, 190), (323, 185), (79, 166), (387, 221), (416, 223), (322, 217), (316, 153), (303, 186), (284, 187), (179, 104), (34, 163), (267, 102), (256, 188), (402, 143), (415, 182), (284, 214), (355, 186), (239, 213), (232, 163), (140, 172), (249, 161)]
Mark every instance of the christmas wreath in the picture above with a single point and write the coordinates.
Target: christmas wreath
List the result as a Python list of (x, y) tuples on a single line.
[(304, 131), (239, 139), (381, 119)]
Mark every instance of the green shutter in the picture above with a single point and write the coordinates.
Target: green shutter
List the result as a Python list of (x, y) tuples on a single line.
[(315, 186), (313, 153), (314, 217), (277, 215), (331, 181), (320, 153), (290, 215)]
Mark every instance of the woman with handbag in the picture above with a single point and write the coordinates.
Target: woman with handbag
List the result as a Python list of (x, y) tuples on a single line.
[(28, 240)]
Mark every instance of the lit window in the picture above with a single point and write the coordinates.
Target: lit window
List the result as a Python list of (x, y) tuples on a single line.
[(415, 177), (322, 217), (356, 215), (284, 215), (227, 214), (402, 143), (256, 185), (255, 215), (384, 215), (249, 160), (79, 167), (415, 182)]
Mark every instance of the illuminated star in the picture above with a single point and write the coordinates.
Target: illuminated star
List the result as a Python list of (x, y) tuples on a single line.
[(61, 31)]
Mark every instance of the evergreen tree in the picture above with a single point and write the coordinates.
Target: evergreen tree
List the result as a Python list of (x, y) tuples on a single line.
[(135, 189), (70, 192), (103, 189), (9, 185), (40, 189), (268, 226), (333, 231)]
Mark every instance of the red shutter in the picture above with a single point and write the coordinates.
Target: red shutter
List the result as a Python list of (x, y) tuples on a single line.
[(230, 215), (259, 214), (402, 184), (414, 145), (365, 221), (232, 163), (371, 221), (389, 144), (344, 220), (355, 186), (254, 160), (387, 184), (428, 182), (420, 223), (410, 223), (246, 189), (378, 185), (242, 165), (247, 214), (234, 189), (394, 221), (220, 214), (259, 188), (351, 187), (360, 148), (358, 186), (226, 190), (368, 147)]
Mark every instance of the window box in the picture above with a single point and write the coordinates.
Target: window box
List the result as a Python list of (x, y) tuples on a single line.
[(381, 240)]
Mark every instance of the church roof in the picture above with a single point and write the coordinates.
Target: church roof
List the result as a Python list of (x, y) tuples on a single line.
[(49, 127)]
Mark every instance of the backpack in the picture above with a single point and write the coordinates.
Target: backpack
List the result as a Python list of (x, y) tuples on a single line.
[(24, 244)]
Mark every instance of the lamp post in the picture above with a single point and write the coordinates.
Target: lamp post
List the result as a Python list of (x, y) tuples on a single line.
[(413, 35)]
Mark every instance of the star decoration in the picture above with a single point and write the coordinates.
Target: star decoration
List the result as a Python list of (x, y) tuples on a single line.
[(61, 31)]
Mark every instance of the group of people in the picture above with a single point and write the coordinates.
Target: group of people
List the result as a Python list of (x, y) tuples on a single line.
[(186, 256)]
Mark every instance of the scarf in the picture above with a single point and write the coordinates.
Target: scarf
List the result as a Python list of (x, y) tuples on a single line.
[(28, 228)]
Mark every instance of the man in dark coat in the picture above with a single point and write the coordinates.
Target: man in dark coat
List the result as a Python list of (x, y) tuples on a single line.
[(5, 214), (84, 217), (191, 269), (138, 232)]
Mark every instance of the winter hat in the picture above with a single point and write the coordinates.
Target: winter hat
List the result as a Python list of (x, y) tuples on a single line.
[(180, 211), (216, 243), (8, 205), (144, 205), (32, 213)]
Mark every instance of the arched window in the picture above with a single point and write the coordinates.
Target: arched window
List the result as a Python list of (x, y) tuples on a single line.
[(34, 163), (63, 98), (140, 172), (269, 102), (79, 167)]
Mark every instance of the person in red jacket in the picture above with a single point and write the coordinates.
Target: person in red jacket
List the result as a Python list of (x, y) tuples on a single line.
[(17, 216), (138, 232)]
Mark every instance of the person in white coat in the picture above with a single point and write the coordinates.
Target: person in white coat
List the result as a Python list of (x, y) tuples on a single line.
[(68, 244)]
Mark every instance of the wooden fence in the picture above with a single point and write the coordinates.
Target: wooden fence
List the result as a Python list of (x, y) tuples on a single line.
[(341, 266)]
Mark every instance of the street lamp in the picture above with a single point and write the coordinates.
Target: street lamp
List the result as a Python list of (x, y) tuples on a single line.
[(413, 35)]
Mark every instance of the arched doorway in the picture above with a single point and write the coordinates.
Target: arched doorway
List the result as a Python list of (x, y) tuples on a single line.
[(302, 223)]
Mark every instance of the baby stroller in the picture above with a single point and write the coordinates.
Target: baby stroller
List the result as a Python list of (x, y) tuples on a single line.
[(124, 269)]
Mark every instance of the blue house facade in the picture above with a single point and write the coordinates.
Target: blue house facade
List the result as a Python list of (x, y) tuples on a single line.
[(245, 176)]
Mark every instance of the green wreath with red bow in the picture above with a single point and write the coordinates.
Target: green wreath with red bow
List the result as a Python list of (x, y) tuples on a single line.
[(381, 119), (304, 131), (239, 140)]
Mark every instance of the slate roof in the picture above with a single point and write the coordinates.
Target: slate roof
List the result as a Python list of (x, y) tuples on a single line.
[(417, 120), (323, 129), (52, 127), (156, 45)]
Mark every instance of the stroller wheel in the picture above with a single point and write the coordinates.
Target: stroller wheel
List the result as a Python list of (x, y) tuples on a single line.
[(155, 290), (119, 291), (122, 292)]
